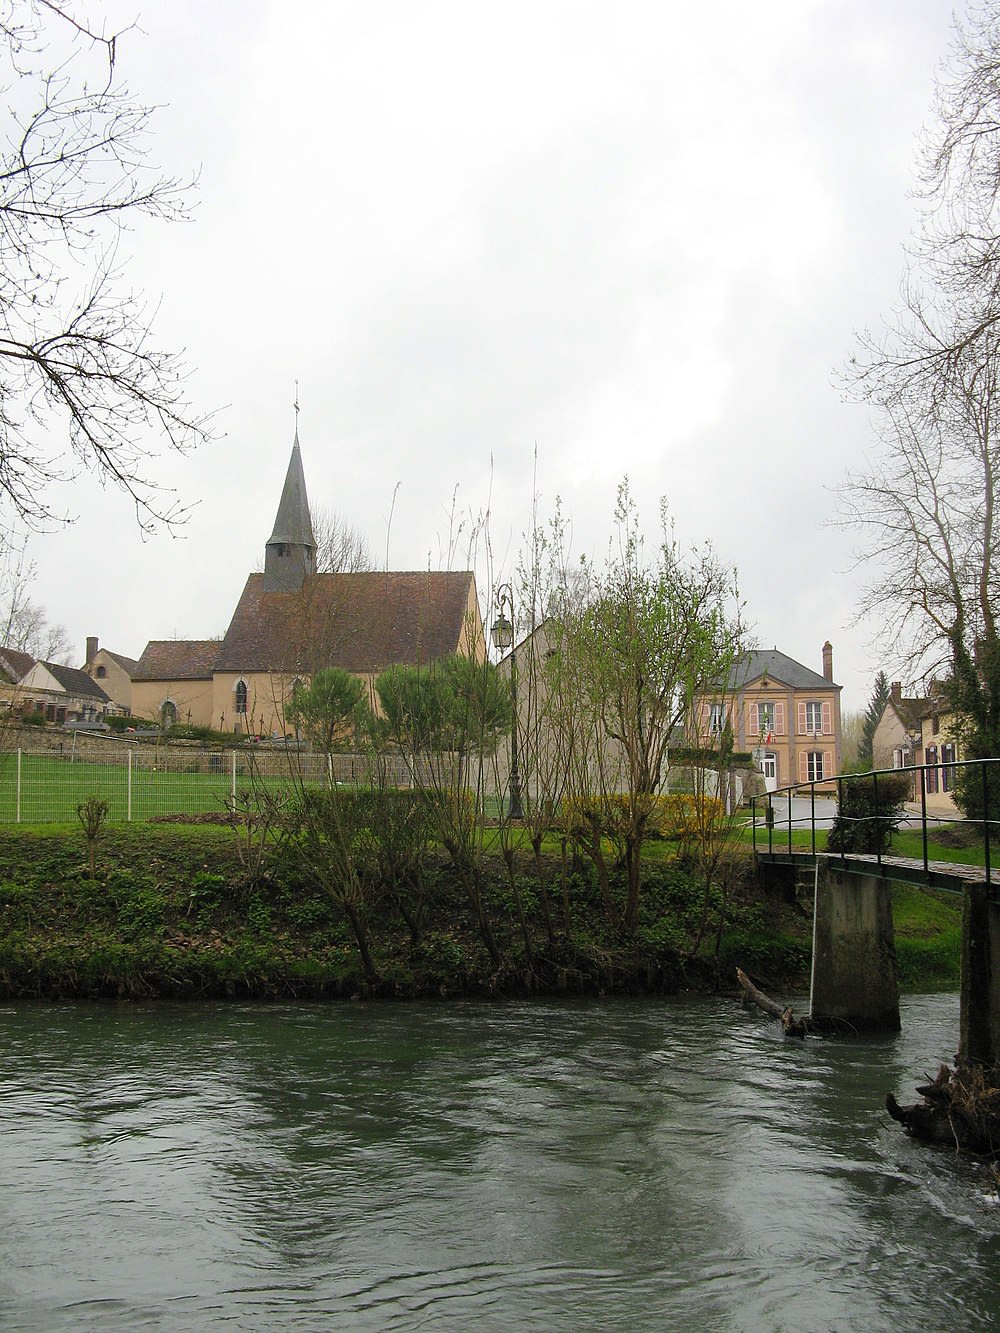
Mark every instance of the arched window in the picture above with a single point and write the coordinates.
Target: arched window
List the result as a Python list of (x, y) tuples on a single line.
[(168, 713), (101, 672), (241, 696)]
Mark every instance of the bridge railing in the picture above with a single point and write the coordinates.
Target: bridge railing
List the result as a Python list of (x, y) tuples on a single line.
[(926, 779)]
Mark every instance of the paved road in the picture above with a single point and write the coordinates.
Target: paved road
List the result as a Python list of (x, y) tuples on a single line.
[(826, 809)]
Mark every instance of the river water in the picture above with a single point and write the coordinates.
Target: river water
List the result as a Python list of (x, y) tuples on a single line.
[(655, 1164)]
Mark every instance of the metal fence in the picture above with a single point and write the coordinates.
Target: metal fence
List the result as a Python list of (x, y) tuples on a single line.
[(779, 815), (141, 783)]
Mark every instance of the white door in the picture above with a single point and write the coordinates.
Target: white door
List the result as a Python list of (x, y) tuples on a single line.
[(769, 768)]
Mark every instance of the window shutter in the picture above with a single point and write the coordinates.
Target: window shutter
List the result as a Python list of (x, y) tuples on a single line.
[(803, 762), (828, 769), (827, 718), (779, 717), (802, 718)]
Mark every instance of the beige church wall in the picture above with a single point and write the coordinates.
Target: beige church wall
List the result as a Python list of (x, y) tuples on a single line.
[(191, 698), (266, 695), (472, 640)]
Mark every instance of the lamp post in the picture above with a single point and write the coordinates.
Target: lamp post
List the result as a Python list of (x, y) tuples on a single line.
[(502, 634)]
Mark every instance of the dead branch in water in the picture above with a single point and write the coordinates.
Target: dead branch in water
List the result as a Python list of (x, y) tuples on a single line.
[(793, 1027)]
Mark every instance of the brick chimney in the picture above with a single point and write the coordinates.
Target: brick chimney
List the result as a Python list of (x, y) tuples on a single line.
[(828, 660), (896, 691), (91, 648)]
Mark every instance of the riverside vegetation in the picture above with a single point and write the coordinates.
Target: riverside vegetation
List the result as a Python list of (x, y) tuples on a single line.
[(243, 911)]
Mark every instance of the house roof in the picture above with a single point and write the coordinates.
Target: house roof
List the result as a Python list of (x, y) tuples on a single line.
[(362, 622), (778, 666), (15, 664), (910, 711), (76, 682), (177, 659), (127, 664)]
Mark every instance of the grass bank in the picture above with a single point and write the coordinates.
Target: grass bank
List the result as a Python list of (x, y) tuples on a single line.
[(172, 912)]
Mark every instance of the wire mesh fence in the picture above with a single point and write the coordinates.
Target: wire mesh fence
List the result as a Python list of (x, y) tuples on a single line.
[(141, 784)]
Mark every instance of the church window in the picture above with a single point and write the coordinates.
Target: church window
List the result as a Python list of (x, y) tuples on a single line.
[(101, 672), (241, 696)]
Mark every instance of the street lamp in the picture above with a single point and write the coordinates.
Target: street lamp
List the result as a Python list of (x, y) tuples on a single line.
[(502, 634)]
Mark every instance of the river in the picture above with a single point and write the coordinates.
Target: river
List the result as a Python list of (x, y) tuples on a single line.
[(655, 1164)]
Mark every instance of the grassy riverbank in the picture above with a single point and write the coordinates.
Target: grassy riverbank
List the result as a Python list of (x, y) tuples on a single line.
[(172, 912)]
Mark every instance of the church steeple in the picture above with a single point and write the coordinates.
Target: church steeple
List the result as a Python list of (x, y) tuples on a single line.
[(290, 552)]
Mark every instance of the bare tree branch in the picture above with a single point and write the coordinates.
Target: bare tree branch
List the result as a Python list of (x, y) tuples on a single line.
[(82, 385)]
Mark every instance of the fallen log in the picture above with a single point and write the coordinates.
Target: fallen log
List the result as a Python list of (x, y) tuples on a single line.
[(793, 1027), (961, 1107)]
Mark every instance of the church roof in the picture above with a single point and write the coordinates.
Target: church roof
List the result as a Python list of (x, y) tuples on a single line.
[(177, 659), (292, 523), (362, 622)]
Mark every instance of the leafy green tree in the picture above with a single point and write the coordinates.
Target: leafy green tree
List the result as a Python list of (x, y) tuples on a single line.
[(872, 717), (331, 709), (653, 635), (445, 718)]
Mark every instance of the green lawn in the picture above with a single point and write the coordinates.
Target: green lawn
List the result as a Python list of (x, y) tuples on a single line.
[(52, 787)]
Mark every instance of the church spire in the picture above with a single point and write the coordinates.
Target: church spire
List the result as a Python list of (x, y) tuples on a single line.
[(290, 552)]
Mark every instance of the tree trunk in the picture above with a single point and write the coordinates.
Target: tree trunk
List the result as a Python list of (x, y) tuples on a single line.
[(508, 856), (596, 853), (794, 1027), (536, 847), (361, 936)]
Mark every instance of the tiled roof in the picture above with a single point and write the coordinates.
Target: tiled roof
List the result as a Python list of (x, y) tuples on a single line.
[(177, 659), (751, 666), (76, 682), (127, 664), (910, 711), (361, 622), (15, 664)]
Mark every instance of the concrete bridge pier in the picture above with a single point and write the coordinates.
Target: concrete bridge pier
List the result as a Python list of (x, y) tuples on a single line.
[(854, 980), (979, 1024)]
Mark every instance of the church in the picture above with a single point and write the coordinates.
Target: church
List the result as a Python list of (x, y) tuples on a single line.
[(293, 620)]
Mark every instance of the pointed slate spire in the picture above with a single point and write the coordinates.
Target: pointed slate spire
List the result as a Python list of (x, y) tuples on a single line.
[(290, 552)]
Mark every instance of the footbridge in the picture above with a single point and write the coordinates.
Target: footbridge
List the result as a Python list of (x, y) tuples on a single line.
[(833, 839)]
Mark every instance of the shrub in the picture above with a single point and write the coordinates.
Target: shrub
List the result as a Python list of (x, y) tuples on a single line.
[(868, 813), (678, 816)]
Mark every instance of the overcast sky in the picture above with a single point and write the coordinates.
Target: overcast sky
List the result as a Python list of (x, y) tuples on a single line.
[(638, 238)]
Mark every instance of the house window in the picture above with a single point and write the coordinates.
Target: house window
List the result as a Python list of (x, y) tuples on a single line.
[(765, 719), (932, 771), (717, 719), (814, 766), (947, 767), (241, 696), (101, 672), (814, 717), (901, 759)]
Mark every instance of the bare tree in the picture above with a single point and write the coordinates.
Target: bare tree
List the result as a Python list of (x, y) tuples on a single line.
[(340, 547), (82, 384), (24, 626), (929, 512)]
